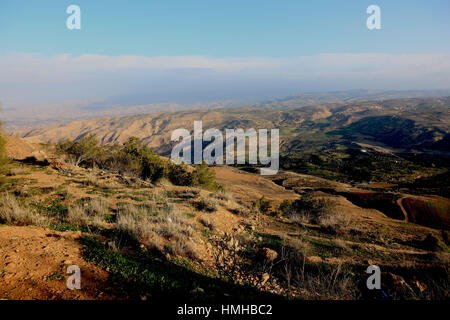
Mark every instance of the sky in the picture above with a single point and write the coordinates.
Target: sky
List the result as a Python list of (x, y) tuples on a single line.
[(135, 52)]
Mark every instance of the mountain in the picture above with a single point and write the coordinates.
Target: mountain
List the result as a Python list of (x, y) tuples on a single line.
[(418, 123), (33, 116)]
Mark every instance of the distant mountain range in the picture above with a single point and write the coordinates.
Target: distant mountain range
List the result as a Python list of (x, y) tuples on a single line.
[(48, 115), (421, 124)]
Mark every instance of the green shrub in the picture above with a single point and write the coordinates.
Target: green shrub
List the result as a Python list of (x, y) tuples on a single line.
[(262, 204), (81, 152), (206, 205), (307, 205), (204, 177), (153, 168), (179, 174), (134, 157)]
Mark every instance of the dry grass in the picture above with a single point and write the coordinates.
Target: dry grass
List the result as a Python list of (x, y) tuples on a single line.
[(315, 282), (208, 222), (336, 220), (91, 213), (238, 209), (154, 226), (91, 179), (12, 212), (300, 218)]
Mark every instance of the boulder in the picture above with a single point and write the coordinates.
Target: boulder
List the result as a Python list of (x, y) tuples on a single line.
[(266, 254)]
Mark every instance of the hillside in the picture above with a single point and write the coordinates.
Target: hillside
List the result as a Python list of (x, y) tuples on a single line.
[(360, 183), (201, 244)]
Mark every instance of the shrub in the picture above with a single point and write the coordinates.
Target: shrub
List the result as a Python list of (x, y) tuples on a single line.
[(207, 205), (180, 175), (262, 204), (77, 216), (308, 206), (136, 158), (153, 168), (432, 243), (84, 151), (204, 177)]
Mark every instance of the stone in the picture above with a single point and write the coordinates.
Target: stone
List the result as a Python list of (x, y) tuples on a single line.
[(264, 278), (266, 254)]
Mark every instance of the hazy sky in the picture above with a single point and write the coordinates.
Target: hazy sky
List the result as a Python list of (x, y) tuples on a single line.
[(149, 51)]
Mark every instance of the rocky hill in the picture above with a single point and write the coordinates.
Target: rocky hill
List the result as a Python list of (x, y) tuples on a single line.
[(136, 239)]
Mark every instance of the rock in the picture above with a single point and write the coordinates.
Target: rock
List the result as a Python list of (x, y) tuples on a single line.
[(264, 278), (266, 254), (56, 165), (75, 235)]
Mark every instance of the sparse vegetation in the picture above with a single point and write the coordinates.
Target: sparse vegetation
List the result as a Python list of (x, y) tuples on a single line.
[(157, 228), (13, 212), (262, 205), (134, 158), (205, 204), (308, 207)]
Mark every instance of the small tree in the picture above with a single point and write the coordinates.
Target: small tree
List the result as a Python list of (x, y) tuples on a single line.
[(153, 168), (179, 174), (204, 177), (85, 150), (307, 205)]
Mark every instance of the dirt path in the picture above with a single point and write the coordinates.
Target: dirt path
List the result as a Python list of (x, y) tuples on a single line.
[(400, 204), (33, 265)]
